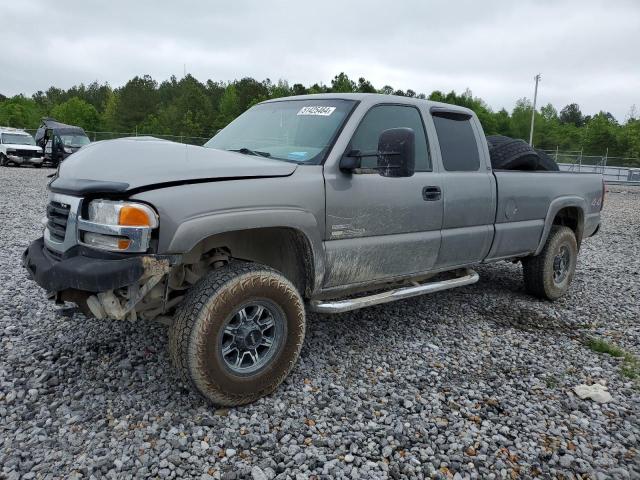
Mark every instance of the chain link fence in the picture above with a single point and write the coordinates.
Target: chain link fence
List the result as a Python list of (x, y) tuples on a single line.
[(612, 169), (96, 136)]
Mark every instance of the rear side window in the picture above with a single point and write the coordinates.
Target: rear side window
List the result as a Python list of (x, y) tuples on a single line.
[(458, 145), (384, 117)]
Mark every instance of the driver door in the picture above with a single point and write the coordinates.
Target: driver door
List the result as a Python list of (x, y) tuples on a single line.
[(378, 228)]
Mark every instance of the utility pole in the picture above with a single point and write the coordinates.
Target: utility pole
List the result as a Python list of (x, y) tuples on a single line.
[(533, 112)]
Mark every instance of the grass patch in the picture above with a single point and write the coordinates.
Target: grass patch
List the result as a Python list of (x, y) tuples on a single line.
[(602, 346), (551, 382), (630, 367)]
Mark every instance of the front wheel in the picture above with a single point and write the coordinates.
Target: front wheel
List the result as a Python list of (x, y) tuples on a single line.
[(550, 273), (238, 333)]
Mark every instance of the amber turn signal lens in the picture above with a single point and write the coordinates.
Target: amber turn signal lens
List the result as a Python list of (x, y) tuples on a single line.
[(134, 217), (123, 244)]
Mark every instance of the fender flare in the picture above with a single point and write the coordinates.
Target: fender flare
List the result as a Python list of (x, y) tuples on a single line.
[(194, 230), (556, 205)]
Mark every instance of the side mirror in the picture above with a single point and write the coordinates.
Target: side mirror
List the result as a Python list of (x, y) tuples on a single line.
[(397, 152), (351, 161)]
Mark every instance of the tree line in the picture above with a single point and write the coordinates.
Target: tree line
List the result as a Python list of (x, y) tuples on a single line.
[(190, 108)]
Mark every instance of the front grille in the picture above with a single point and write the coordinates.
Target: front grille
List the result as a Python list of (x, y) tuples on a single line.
[(28, 153), (57, 216)]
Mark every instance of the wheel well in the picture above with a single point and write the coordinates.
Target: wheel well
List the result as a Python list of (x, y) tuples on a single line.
[(286, 249), (571, 217)]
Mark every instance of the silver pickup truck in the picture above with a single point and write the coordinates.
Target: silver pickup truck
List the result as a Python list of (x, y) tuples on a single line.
[(322, 203)]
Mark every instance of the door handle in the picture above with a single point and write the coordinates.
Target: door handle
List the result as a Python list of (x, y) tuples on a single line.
[(431, 193)]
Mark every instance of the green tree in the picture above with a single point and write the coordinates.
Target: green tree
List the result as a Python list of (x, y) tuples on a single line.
[(572, 114), (248, 90), (20, 112), (521, 119), (341, 83), (187, 111), (280, 89), (189, 107), (364, 86), (229, 107), (599, 135), (136, 101), (110, 114), (299, 89), (629, 140), (503, 122), (77, 112)]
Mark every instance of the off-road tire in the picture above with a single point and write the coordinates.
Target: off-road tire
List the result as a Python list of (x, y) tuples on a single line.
[(546, 162), (511, 154), (515, 154), (538, 270), (193, 336)]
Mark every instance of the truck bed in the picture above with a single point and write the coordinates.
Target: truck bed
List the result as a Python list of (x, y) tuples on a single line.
[(527, 200)]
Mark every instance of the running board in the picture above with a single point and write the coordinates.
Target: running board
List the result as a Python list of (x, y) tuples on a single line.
[(340, 306)]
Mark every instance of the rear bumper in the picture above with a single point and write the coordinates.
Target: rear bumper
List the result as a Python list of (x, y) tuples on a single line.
[(80, 272)]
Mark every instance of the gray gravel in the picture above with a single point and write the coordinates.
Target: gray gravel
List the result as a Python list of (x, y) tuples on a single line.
[(474, 382)]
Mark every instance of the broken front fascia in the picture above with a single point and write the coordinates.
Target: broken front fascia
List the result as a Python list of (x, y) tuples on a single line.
[(111, 305)]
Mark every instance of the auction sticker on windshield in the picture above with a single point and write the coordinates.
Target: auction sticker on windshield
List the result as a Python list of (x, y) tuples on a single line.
[(316, 110)]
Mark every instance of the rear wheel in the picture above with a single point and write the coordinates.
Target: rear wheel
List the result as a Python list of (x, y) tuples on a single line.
[(549, 274), (238, 333)]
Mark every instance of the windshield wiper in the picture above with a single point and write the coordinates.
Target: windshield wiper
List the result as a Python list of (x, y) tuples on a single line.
[(248, 151)]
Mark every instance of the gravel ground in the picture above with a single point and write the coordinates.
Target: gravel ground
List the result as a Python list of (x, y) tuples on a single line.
[(475, 382)]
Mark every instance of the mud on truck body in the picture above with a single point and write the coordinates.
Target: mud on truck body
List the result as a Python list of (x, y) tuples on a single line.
[(325, 203)]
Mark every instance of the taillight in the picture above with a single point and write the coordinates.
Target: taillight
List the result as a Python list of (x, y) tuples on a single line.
[(604, 191)]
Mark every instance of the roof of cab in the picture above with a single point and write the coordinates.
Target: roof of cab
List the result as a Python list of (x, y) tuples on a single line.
[(15, 131), (370, 99)]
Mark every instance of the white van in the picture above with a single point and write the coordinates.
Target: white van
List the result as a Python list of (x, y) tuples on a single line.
[(17, 147)]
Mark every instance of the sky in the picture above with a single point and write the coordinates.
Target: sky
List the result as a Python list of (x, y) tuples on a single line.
[(587, 51)]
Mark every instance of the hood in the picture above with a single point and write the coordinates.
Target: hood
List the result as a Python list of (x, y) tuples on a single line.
[(17, 146), (144, 163)]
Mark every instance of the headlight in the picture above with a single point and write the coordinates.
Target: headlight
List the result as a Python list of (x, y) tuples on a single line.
[(118, 226), (128, 214), (67, 150)]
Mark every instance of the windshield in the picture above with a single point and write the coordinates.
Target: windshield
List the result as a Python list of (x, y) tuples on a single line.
[(17, 139), (295, 130), (74, 140)]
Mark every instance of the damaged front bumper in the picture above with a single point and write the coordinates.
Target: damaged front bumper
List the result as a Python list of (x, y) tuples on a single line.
[(20, 160), (97, 277)]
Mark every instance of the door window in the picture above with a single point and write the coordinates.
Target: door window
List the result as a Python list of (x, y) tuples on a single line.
[(384, 117), (458, 145)]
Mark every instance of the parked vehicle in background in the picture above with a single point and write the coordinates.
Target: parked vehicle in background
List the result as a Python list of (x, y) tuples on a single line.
[(18, 148), (59, 140), (323, 202)]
